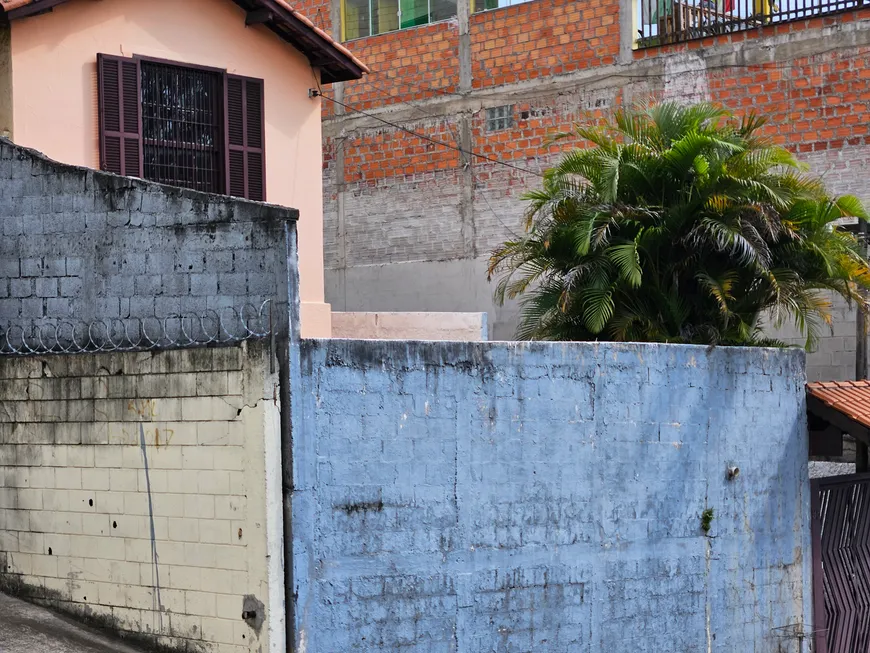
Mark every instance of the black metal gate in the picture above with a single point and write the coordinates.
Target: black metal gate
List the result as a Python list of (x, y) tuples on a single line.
[(841, 563)]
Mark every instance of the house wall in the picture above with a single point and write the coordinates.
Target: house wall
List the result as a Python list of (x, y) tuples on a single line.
[(409, 225), (141, 492), (549, 497), (55, 99), (81, 246)]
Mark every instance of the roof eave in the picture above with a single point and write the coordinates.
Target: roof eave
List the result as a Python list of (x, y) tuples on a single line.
[(336, 63)]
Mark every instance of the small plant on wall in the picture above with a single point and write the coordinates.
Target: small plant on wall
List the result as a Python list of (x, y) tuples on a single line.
[(707, 520), (679, 224)]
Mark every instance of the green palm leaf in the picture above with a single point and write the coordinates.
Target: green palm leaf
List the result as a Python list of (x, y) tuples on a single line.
[(627, 261), (679, 224)]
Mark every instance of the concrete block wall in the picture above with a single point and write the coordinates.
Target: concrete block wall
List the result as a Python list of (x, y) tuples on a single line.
[(409, 225), (833, 358), (80, 244), (139, 491), (549, 497)]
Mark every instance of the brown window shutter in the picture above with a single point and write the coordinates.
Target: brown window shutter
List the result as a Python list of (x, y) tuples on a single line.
[(245, 136), (119, 89)]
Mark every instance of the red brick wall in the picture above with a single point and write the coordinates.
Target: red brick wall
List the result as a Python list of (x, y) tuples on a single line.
[(386, 152), (411, 64), (535, 124), (522, 42), (818, 105), (320, 13), (813, 103), (540, 39)]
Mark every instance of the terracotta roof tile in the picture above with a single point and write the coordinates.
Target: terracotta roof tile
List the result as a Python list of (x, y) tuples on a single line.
[(852, 398), (9, 5), (326, 37), (336, 62)]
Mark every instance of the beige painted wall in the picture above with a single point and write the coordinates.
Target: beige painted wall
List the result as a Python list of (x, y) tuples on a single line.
[(76, 502), (55, 99), (470, 327)]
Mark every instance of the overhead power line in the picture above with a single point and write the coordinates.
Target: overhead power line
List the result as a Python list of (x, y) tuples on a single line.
[(424, 137), (456, 140), (597, 82)]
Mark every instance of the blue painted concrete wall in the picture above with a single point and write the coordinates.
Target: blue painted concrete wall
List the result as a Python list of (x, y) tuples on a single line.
[(548, 497)]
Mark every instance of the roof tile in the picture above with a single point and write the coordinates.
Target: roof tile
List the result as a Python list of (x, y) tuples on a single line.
[(852, 398)]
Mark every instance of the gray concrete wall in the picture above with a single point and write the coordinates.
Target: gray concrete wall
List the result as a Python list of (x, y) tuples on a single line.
[(548, 497), (83, 245)]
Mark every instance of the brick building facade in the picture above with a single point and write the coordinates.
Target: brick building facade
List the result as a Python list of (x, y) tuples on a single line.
[(409, 223)]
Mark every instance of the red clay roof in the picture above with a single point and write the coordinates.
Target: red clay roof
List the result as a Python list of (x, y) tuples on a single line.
[(852, 398), (335, 61)]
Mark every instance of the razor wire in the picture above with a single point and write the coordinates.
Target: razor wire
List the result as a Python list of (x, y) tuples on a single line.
[(175, 331)]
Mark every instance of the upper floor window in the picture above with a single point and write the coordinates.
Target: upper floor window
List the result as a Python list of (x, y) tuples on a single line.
[(361, 18), (369, 17), (186, 126), (672, 21), (484, 5)]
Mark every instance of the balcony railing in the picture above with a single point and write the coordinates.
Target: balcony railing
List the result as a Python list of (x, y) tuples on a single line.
[(675, 21)]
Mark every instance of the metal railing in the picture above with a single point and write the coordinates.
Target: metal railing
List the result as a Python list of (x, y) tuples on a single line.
[(675, 21), (214, 327)]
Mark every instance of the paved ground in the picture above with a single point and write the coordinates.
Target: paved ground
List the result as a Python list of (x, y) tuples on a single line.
[(819, 469), (27, 628)]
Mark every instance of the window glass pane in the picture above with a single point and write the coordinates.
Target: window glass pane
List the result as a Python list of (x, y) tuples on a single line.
[(498, 118), (414, 12), (442, 9), (483, 5), (355, 18), (385, 16)]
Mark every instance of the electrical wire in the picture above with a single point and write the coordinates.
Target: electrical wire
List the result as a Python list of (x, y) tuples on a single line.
[(474, 178), (579, 85), (428, 138), (458, 148)]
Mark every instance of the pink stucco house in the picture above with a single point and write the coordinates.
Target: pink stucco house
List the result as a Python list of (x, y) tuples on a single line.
[(205, 94)]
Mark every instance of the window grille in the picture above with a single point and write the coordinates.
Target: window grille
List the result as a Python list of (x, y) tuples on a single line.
[(181, 126)]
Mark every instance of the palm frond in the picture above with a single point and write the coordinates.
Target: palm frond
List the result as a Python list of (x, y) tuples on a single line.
[(627, 261), (679, 224)]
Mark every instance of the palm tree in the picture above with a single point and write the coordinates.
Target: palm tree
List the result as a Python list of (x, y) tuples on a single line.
[(680, 224)]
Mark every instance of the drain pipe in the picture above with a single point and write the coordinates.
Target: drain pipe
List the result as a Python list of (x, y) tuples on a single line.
[(287, 350)]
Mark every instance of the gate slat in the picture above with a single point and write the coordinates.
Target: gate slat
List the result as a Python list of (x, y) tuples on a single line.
[(841, 556)]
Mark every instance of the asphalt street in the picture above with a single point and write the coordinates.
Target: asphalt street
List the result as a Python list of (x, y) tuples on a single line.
[(28, 628)]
